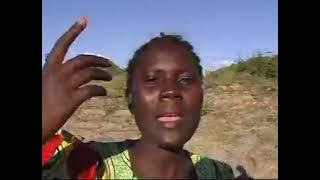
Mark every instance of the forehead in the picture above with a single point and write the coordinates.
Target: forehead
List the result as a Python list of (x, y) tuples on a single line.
[(166, 54)]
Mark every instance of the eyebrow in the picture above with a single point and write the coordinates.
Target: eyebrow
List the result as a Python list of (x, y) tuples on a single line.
[(163, 72)]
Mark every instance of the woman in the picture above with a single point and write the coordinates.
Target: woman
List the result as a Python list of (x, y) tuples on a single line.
[(165, 95)]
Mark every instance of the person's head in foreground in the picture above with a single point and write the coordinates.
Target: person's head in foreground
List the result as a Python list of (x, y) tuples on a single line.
[(165, 94), (165, 91)]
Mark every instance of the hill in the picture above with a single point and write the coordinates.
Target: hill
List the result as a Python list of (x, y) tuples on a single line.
[(255, 68)]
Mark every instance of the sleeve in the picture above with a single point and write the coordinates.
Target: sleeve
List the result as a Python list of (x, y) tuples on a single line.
[(55, 153), (64, 156), (225, 170), (212, 169), (50, 148)]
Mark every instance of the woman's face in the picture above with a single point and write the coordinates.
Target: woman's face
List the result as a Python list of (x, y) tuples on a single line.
[(167, 95)]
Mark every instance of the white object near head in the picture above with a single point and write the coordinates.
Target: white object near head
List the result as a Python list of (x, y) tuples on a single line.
[(99, 55)]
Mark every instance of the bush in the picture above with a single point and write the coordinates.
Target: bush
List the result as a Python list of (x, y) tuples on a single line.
[(257, 66), (261, 66)]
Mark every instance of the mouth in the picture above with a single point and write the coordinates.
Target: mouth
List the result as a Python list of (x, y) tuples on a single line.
[(170, 119)]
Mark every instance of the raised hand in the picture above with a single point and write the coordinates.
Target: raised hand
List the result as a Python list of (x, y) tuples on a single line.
[(62, 83)]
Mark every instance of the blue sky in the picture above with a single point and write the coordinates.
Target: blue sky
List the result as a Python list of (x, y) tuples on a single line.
[(221, 31)]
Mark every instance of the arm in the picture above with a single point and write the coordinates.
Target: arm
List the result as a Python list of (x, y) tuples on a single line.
[(63, 91)]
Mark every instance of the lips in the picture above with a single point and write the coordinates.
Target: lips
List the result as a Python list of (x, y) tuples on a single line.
[(170, 119)]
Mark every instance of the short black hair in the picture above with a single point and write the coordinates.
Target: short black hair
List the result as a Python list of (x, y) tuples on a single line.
[(173, 38)]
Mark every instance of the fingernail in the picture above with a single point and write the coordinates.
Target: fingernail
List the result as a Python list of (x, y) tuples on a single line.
[(82, 21)]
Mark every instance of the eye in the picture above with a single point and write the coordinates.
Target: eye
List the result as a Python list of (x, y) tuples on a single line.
[(151, 80), (185, 80)]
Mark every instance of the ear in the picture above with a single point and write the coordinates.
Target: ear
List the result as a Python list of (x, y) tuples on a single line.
[(203, 90), (130, 103), (203, 86), (130, 98)]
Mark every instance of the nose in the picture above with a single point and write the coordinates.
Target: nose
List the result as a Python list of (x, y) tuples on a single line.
[(170, 91)]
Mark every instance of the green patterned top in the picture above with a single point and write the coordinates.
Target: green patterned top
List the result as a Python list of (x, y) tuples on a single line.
[(115, 162)]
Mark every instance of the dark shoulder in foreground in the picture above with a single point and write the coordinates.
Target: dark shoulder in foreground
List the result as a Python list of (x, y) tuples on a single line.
[(213, 169)]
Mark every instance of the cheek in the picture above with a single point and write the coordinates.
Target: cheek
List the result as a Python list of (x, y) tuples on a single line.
[(194, 97), (145, 106), (145, 101)]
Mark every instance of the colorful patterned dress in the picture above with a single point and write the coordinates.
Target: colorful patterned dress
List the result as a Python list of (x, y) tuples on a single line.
[(65, 157)]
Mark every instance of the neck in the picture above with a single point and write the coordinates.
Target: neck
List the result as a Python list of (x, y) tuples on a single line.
[(144, 143), (148, 160)]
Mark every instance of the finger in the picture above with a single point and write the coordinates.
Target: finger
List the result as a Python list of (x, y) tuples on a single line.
[(86, 92), (87, 75), (82, 61), (61, 47)]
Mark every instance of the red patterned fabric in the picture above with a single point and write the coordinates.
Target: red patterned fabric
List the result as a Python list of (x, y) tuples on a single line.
[(50, 147), (82, 161)]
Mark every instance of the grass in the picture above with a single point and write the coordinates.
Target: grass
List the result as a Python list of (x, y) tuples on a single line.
[(116, 87)]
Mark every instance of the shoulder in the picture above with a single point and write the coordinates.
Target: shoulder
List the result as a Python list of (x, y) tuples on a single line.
[(72, 155), (211, 168), (104, 149), (109, 149)]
